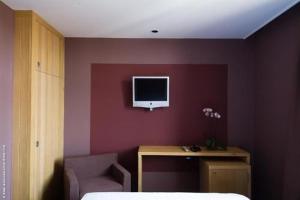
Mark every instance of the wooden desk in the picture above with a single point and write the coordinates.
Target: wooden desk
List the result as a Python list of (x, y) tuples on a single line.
[(178, 151)]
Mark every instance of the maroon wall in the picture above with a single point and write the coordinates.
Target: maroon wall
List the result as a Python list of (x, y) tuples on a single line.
[(118, 127), (276, 85), (6, 69), (277, 157), (81, 53)]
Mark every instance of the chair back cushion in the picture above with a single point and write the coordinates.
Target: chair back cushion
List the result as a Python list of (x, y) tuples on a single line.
[(91, 166)]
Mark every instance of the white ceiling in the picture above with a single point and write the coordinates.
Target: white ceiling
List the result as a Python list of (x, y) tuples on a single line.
[(173, 18)]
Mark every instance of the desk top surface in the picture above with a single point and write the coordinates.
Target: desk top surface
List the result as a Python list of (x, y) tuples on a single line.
[(145, 150)]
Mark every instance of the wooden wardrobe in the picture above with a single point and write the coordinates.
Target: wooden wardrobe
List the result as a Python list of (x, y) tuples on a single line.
[(38, 109)]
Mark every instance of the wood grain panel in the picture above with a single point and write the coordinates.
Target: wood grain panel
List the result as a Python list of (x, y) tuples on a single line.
[(178, 151), (232, 153), (22, 107), (229, 180), (49, 113), (49, 48), (38, 109), (225, 177), (42, 48)]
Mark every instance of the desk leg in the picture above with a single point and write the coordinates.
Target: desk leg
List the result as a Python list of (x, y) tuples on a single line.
[(140, 173)]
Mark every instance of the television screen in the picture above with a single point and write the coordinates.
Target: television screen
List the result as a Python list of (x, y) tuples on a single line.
[(150, 89)]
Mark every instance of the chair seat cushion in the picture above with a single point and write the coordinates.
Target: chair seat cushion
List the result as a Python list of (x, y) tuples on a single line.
[(99, 184)]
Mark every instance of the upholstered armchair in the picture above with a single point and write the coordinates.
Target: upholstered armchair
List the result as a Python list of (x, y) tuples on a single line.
[(96, 173)]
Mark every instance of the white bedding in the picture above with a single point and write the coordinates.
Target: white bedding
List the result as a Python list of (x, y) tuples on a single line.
[(160, 196)]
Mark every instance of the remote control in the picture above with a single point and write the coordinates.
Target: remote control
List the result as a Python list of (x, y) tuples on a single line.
[(185, 148)]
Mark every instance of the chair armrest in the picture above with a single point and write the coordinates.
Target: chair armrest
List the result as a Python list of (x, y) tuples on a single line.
[(122, 176), (71, 185)]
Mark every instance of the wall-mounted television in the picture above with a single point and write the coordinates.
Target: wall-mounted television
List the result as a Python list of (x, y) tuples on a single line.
[(150, 91)]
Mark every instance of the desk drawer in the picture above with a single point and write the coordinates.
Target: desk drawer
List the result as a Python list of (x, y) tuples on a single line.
[(225, 177)]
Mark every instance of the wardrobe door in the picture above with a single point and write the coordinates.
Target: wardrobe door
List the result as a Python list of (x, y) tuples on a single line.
[(49, 49), (54, 52), (42, 45), (49, 136), (47, 110)]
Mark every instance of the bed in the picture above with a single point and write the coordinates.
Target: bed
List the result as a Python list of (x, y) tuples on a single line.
[(160, 196)]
